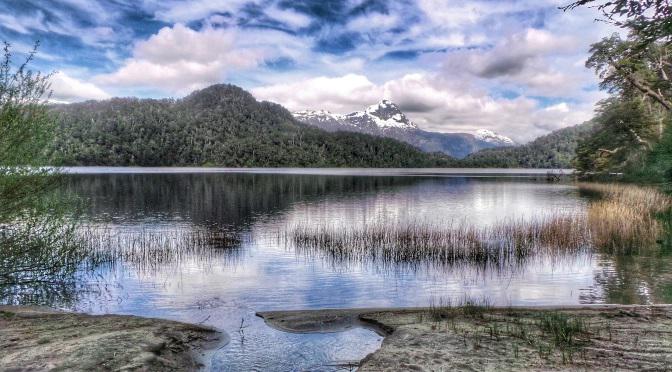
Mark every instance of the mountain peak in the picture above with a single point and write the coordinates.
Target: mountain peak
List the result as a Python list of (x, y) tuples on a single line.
[(386, 114), (492, 137), (383, 106), (386, 119)]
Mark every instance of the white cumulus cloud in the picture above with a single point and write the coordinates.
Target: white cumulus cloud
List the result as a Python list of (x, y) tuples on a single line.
[(433, 103), (337, 94), (179, 60), (66, 89)]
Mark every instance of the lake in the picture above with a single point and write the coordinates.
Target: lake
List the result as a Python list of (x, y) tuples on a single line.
[(225, 287)]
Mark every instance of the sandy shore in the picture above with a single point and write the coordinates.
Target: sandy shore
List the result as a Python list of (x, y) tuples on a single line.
[(493, 339), (34, 338)]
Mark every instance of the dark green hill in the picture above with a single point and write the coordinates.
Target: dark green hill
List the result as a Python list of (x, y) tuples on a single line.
[(554, 150), (220, 125)]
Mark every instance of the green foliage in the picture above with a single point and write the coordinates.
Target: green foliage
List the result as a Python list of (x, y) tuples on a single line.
[(630, 71), (38, 248), (624, 131), (220, 125), (632, 125), (38, 257), (25, 131), (649, 19), (565, 330), (657, 166), (555, 150)]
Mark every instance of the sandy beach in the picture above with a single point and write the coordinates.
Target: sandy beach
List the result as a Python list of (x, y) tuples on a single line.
[(37, 338), (514, 339)]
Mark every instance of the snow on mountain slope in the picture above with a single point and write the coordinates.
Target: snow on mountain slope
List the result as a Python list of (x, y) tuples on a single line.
[(385, 119), (387, 115), (492, 137)]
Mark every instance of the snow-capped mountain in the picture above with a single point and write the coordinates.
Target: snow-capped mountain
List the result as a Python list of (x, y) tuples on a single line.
[(385, 119), (384, 115), (373, 119), (494, 138)]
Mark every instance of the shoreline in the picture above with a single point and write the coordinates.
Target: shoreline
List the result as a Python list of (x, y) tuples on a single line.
[(417, 172), (39, 338), (616, 337)]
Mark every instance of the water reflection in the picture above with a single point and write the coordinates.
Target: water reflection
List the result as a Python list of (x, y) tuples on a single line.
[(233, 200), (225, 287)]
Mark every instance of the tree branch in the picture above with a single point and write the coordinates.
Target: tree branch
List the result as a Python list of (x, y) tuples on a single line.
[(610, 152), (648, 91), (639, 139)]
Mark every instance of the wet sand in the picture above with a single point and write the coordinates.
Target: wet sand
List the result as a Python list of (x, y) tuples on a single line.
[(37, 338), (492, 339)]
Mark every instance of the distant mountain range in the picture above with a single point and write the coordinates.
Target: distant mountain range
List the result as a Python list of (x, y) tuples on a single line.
[(385, 119), (554, 150), (221, 125)]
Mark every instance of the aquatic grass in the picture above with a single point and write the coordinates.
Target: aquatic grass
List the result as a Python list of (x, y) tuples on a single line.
[(499, 245), (624, 218), (641, 198), (621, 220), (149, 249), (39, 260)]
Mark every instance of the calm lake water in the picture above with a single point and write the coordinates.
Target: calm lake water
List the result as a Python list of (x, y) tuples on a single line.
[(225, 287)]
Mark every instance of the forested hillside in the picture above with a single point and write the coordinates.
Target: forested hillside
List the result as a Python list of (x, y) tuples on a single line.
[(632, 134), (554, 150), (220, 125)]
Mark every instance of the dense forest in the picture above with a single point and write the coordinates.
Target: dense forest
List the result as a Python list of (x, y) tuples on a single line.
[(632, 134), (554, 150), (220, 125), (224, 125)]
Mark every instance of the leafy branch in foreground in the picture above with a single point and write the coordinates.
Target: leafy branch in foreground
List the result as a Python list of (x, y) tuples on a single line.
[(39, 251), (26, 130), (631, 125), (650, 20)]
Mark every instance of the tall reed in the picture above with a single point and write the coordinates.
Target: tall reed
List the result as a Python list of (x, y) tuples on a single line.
[(621, 219), (150, 249), (499, 245), (624, 219)]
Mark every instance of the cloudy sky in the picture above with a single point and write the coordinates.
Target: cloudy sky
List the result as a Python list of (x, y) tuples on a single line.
[(516, 67)]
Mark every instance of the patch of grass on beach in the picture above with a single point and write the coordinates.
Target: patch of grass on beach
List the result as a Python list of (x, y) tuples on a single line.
[(565, 331), (7, 314), (545, 333), (469, 307), (548, 332)]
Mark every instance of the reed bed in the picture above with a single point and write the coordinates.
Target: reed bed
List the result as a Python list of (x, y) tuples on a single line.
[(625, 218), (622, 219), (496, 246), (150, 249)]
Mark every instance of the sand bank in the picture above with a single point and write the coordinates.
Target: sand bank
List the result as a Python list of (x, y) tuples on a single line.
[(515, 339), (35, 338)]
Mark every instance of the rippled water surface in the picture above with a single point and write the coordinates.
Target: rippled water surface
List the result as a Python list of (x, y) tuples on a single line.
[(225, 287)]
